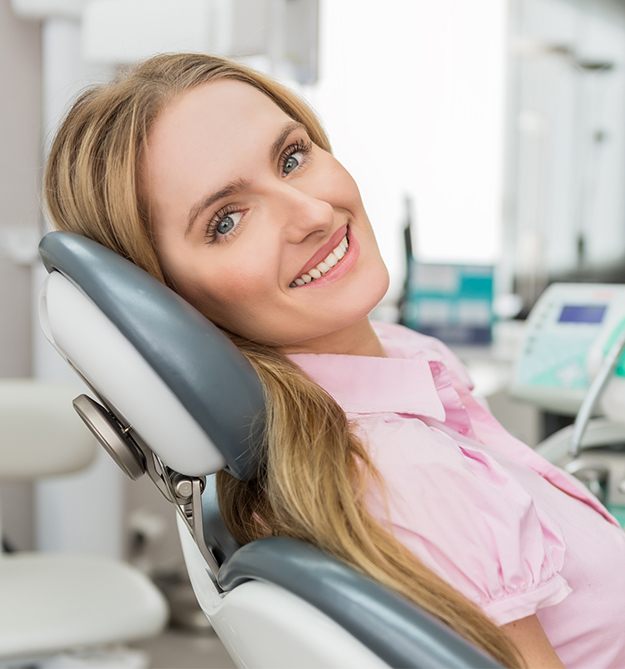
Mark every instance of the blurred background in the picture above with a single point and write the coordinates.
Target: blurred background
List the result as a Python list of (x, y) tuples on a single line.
[(486, 137)]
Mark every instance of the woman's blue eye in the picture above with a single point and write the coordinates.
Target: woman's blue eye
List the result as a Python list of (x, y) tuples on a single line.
[(290, 163), (225, 225), (294, 156)]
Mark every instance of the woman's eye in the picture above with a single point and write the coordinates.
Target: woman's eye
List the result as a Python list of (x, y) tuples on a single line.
[(223, 225), (294, 156), (292, 162), (226, 224)]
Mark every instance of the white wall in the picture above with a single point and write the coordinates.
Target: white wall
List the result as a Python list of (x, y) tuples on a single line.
[(20, 83), (412, 97)]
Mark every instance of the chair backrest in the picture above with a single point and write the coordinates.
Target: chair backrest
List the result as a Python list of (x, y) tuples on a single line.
[(174, 383)]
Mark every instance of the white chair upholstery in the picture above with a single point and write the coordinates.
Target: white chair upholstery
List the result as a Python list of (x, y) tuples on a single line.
[(52, 603), (39, 433), (56, 603)]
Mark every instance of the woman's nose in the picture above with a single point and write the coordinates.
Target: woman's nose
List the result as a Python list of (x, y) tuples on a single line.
[(304, 214)]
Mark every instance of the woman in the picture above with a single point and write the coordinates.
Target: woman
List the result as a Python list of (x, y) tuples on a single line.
[(221, 183)]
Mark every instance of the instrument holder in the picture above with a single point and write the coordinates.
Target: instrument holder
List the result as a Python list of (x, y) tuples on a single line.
[(595, 390)]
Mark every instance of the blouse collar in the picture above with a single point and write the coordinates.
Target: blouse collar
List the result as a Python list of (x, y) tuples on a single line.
[(400, 383)]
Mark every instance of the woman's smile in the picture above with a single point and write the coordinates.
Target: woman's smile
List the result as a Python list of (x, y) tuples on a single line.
[(333, 266)]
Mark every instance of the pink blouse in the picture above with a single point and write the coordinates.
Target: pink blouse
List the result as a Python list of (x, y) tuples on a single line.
[(479, 507)]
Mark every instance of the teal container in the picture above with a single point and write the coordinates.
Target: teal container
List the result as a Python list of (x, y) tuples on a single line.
[(452, 302)]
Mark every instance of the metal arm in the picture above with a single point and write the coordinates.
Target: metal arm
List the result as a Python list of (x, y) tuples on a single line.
[(594, 392)]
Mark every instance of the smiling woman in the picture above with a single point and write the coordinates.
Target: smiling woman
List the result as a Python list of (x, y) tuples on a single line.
[(221, 183), (264, 198)]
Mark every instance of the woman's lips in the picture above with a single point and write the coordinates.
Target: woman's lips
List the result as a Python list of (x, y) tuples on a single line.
[(342, 267), (324, 251)]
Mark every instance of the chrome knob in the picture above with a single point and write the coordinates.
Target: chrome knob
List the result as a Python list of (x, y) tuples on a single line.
[(111, 435)]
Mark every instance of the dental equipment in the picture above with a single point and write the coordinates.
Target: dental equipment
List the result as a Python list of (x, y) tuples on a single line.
[(597, 386), (567, 333)]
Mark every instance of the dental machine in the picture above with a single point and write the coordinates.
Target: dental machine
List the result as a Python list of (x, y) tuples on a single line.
[(569, 331), (572, 363)]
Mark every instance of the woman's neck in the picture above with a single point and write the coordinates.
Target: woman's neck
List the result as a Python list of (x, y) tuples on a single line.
[(358, 339)]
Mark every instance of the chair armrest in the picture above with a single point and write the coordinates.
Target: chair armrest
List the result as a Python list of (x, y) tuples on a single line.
[(384, 621)]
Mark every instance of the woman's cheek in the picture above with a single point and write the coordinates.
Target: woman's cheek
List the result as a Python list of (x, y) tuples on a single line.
[(347, 189)]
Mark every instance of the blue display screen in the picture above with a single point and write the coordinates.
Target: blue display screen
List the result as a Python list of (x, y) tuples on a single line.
[(582, 313)]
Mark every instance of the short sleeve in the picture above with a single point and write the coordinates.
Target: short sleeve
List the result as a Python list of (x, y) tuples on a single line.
[(468, 520)]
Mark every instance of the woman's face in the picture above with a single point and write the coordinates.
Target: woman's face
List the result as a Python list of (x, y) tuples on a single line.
[(243, 204)]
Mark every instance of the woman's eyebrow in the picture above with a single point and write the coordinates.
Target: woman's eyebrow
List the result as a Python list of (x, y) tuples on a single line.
[(280, 139), (238, 185), (228, 190)]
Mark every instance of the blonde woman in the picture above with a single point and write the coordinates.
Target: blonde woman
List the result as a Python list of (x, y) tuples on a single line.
[(221, 183)]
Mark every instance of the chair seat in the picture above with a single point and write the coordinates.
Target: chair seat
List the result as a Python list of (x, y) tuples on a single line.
[(53, 602)]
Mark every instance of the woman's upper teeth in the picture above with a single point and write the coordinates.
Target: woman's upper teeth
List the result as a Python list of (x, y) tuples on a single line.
[(324, 266)]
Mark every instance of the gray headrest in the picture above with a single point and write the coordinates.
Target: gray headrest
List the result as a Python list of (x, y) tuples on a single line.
[(200, 365)]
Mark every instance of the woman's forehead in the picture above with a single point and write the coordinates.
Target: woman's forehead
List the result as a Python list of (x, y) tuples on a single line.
[(223, 109), (216, 132), (224, 122)]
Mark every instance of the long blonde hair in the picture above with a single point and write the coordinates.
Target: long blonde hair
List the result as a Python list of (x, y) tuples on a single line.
[(315, 470)]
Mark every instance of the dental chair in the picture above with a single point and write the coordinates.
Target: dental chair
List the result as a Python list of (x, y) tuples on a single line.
[(55, 608), (175, 399)]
